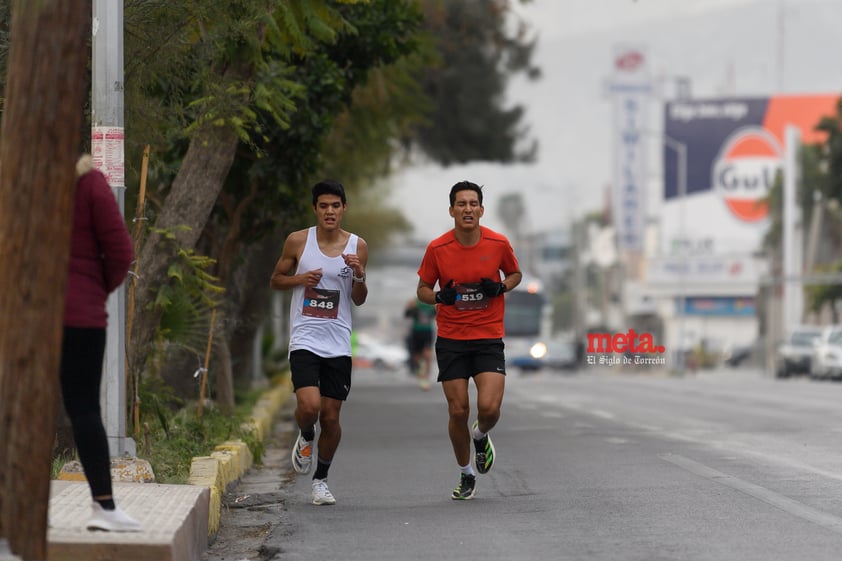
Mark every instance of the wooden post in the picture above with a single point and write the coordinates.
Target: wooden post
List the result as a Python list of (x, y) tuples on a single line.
[(133, 378), (203, 388)]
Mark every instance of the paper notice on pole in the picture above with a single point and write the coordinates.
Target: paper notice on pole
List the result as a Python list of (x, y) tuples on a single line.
[(107, 149)]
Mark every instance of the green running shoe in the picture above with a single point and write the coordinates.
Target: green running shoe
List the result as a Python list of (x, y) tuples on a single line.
[(484, 449), (466, 489)]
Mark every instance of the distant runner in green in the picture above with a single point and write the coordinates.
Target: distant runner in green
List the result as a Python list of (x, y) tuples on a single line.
[(420, 339)]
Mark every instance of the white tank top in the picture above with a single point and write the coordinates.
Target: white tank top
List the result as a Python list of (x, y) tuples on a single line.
[(320, 317)]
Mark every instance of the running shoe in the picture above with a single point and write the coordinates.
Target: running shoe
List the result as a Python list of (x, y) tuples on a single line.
[(484, 449), (321, 494), (466, 489), (116, 520), (302, 455)]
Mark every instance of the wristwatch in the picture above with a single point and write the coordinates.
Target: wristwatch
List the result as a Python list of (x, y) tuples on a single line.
[(358, 279)]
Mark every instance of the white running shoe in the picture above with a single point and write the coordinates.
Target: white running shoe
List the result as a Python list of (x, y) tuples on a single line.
[(116, 520), (302, 455), (321, 494)]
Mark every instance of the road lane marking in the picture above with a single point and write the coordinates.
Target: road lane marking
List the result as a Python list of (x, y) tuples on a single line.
[(786, 504)]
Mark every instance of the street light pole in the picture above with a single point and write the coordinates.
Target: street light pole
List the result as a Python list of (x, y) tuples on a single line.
[(681, 154), (107, 149)]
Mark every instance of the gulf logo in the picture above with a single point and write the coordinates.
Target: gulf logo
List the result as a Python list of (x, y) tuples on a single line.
[(745, 170)]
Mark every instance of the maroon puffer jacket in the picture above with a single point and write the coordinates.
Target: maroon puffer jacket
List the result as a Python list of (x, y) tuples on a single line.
[(100, 251)]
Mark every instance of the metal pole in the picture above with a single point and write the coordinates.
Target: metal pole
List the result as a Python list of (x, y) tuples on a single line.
[(681, 149), (681, 154), (107, 148), (791, 289)]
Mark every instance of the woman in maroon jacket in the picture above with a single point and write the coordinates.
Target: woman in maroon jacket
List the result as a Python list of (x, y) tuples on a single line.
[(100, 255)]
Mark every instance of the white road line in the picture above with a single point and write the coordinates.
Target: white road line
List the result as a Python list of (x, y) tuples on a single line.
[(786, 504)]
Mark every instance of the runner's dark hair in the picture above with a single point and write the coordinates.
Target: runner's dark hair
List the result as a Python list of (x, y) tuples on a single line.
[(465, 186), (328, 187)]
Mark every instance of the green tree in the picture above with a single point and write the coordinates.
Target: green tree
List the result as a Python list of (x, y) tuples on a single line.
[(481, 45), (272, 163), (337, 104), (226, 50)]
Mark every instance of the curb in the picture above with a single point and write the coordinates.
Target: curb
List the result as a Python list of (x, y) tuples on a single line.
[(126, 470), (230, 460)]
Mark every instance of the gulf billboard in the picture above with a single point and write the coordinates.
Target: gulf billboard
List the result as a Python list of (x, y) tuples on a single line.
[(734, 151)]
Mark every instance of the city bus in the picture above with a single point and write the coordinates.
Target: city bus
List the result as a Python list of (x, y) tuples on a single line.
[(528, 323)]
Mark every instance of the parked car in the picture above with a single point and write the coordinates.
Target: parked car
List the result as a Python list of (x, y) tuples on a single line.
[(826, 361), (735, 355), (794, 355), (372, 352)]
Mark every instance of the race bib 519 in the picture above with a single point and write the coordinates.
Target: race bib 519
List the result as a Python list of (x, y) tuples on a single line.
[(470, 297)]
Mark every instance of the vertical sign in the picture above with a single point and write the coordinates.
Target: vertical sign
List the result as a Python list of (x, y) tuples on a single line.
[(629, 88)]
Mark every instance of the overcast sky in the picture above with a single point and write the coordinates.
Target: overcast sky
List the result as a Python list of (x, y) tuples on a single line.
[(739, 48)]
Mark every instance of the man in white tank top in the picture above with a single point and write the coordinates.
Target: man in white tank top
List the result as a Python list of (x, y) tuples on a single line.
[(324, 266)]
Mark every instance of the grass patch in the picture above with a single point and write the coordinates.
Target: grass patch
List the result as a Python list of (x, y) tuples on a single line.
[(173, 434), (58, 462), (176, 438)]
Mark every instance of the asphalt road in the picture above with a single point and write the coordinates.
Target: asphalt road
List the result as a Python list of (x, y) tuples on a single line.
[(727, 465)]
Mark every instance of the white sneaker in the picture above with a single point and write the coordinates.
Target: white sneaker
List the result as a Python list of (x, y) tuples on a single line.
[(321, 494), (302, 455), (112, 520)]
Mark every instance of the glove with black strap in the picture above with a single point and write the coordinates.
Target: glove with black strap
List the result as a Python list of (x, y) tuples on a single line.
[(447, 295), (491, 288)]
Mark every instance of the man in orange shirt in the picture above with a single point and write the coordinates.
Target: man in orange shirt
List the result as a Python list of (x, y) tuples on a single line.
[(466, 262)]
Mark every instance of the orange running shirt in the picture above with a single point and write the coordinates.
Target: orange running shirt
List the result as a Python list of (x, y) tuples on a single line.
[(447, 259)]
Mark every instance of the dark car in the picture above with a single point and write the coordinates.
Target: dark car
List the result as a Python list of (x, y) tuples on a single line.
[(736, 356)]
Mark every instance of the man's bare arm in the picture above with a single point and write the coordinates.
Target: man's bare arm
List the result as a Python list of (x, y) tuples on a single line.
[(426, 293), (282, 277), (512, 280), (357, 262)]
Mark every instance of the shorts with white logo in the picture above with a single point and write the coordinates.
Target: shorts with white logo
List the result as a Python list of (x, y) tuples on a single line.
[(331, 375), (465, 359)]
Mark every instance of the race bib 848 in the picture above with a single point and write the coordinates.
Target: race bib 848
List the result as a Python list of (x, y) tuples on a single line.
[(321, 303)]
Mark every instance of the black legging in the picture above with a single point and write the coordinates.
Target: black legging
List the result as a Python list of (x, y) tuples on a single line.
[(82, 352)]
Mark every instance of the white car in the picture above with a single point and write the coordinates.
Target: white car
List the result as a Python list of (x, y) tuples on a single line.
[(827, 354), (371, 352), (794, 355)]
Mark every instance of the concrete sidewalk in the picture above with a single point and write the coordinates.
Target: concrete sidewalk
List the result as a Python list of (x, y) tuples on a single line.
[(178, 521), (174, 519)]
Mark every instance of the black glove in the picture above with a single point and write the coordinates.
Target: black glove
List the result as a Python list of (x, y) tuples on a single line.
[(447, 295), (491, 288)]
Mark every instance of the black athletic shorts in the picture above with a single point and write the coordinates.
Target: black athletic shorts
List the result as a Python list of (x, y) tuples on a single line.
[(465, 359), (331, 375), (420, 340)]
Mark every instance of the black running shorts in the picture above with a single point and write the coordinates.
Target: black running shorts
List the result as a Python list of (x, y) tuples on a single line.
[(465, 359), (331, 375), (420, 340)]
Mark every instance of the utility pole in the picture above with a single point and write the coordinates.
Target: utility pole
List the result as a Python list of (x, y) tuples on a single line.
[(681, 298), (792, 257), (107, 149)]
